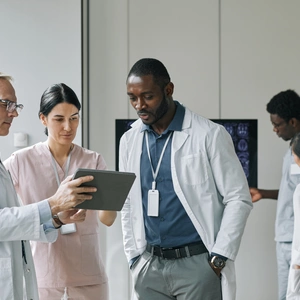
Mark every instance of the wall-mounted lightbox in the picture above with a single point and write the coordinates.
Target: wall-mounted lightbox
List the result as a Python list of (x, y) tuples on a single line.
[(244, 137)]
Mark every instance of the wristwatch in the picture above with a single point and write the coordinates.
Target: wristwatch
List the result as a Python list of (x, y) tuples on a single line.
[(57, 221), (217, 262)]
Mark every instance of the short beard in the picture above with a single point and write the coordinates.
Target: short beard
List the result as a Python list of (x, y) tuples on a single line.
[(161, 110)]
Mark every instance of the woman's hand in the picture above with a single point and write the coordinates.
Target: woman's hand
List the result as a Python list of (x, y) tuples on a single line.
[(72, 216)]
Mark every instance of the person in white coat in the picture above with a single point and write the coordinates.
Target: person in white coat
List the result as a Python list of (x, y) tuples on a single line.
[(284, 110), (37, 221), (185, 215), (293, 289)]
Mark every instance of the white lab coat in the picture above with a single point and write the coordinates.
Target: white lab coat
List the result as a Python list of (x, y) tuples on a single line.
[(293, 290), (16, 224), (208, 180)]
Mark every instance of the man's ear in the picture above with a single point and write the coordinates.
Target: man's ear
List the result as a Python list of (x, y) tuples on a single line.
[(169, 89), (295, 122)]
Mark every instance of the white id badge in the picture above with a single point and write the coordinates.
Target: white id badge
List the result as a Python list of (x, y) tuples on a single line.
[(68, 228), (153, 203)]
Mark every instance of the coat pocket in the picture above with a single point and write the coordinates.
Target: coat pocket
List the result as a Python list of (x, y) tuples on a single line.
[(6, 279), (194, 169)]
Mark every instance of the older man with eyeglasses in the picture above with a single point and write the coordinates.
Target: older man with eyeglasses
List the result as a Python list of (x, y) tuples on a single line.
[(37, 221)]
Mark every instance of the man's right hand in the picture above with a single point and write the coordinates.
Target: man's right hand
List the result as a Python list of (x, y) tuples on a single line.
[(257, 194), (70, 194)]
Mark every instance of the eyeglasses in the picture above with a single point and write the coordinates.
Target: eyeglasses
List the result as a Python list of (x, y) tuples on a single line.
[(12, 106)]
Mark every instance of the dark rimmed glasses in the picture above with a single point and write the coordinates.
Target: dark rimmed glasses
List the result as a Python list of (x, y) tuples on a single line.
[(12, 106)]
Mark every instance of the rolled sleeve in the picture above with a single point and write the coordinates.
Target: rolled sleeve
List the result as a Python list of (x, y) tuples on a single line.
[(45, 216), (44, 211)]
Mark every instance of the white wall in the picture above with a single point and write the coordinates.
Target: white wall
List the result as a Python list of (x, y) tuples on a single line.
[(226, 59), (40, 46), (174, 33), (108, 101)]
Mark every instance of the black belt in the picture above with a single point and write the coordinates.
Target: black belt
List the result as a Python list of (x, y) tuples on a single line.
[(174, 253)]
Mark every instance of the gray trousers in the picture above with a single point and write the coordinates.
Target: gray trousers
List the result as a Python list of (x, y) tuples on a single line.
[(189, 278)]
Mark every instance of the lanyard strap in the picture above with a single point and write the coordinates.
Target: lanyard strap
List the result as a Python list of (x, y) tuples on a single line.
[(160, 158), (55, 168)]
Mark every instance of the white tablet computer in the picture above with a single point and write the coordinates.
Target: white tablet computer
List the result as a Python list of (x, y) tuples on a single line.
[(112, 188)]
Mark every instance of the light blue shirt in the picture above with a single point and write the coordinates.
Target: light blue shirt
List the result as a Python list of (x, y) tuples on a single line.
[(45, 215)]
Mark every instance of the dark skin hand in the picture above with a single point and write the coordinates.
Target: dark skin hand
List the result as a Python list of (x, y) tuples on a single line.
[(258, 194)]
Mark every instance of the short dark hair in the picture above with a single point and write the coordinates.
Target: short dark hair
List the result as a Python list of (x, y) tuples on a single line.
[(295, 144), (56, 94), (286, 105), (151, 66)]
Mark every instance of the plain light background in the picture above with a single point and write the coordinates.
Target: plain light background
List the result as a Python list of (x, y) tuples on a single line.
[(227, 59), (40, 44)]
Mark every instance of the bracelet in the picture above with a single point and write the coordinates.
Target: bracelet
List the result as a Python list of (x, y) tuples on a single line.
[(58, 221)]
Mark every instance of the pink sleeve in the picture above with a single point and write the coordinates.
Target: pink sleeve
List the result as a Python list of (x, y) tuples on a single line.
[(101, 164)]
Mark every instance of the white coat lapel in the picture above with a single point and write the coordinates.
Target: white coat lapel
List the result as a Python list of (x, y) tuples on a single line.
[(180, 137), (135, 141)]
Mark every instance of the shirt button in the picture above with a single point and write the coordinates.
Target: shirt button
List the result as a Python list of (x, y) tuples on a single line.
[(28, 270), (162, 219)]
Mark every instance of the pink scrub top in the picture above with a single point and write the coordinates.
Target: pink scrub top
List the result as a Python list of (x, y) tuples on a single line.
[(74, 259)]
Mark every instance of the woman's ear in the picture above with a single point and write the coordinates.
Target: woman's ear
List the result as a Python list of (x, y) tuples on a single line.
[(43, 119)]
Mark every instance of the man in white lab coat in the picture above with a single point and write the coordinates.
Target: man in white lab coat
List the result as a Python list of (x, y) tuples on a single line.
[(37, 221), (185, 215)]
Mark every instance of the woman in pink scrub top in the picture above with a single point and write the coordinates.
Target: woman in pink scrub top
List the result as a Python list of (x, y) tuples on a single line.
[(70, 268)]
